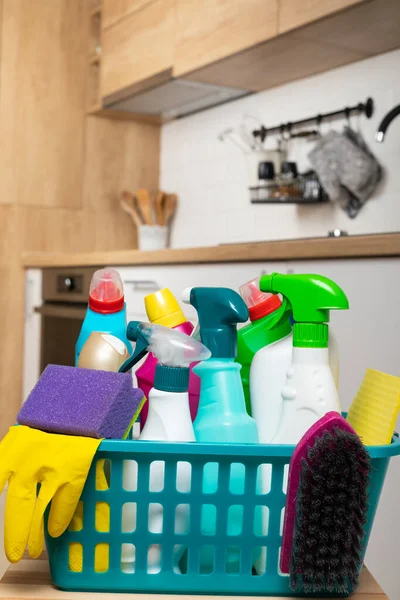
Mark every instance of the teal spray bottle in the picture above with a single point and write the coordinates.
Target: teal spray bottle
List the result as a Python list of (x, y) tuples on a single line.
[(106, 311), (222, 415)]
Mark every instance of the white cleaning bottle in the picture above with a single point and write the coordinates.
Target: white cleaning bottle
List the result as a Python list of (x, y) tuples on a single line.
[(309, 390), (168, 420), (268, 375)]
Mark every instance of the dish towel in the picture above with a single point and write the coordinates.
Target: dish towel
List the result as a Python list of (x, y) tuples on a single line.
[(347, 169)]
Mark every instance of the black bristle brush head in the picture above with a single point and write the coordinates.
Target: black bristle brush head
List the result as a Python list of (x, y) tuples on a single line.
[(331, 512)]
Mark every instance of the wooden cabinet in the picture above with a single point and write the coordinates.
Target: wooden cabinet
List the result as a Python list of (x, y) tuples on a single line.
[(307, 44), (138, 47), (42, 97), (295, 13), (250, 45), (209, 30), (115, 10)]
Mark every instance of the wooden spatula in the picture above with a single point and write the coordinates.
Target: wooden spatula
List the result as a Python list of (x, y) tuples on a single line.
[(127, 203), (170, 205), (145, 206), (160, 208)]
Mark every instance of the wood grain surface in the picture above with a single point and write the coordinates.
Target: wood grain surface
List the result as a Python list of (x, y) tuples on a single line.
[(30, 580), (357, 246)]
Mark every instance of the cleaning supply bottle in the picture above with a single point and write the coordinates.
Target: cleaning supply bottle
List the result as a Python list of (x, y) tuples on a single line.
[(265, 329), (270, 362), (309, 391), (162, 308), (168, 420), (103, 352), (106, 311), (222, 415)]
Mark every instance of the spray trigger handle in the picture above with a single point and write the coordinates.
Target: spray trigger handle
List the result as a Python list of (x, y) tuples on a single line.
[(134, 334)]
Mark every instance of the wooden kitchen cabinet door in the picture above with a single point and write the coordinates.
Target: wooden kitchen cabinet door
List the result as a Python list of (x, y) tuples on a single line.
[(139, 47), (210, 30), (114, 10), (295, 13), (42, 100)]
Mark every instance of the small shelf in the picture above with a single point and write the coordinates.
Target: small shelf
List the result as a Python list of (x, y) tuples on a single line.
[(297, 201), (303, 189)]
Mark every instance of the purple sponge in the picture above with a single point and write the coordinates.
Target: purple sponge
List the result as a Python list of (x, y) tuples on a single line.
[(97, 404)]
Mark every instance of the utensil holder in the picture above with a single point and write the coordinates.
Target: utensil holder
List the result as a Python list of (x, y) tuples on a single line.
[(152, 237)]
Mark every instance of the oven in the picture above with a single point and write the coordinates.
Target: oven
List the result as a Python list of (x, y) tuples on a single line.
[(64, 301)]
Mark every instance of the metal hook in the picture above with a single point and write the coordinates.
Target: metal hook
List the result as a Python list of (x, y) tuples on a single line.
[(319, 121), (347, 113)]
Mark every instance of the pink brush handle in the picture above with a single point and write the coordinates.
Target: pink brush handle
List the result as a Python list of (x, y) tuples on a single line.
[(327, 423)]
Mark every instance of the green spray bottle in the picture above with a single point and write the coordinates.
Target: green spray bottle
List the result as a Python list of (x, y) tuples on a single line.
[(266, 327), (222, 415), (309, 391)]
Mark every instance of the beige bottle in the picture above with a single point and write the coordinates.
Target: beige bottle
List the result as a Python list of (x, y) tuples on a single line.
[(103, 352)]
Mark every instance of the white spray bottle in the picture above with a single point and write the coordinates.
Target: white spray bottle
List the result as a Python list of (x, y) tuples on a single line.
[(309, 391), (168, 420)]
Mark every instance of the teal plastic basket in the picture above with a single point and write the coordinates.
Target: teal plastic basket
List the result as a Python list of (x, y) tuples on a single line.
[(189, 580)]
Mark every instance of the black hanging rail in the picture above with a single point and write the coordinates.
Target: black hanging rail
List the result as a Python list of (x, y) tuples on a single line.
[(366, 108)]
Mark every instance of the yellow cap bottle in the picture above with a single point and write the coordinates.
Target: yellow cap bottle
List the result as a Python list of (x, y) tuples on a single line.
[(163, 309)]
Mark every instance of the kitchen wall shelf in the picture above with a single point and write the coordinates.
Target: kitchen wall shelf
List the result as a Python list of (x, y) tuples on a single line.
[(303, 189), (292, 200)]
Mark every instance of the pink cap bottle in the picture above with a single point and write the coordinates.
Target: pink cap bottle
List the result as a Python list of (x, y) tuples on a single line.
[(163, 309)]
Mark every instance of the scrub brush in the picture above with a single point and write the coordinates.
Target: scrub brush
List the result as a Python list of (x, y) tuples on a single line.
[(375, 408), (326, 508)]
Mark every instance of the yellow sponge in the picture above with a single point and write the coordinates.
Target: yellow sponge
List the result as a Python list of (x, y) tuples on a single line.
[(375, 408)]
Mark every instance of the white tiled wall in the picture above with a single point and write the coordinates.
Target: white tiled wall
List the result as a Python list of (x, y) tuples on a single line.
[(211, 180), (210, 176)]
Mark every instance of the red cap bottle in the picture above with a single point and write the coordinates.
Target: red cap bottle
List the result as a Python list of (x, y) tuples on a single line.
[(260, 304), (106, 292)]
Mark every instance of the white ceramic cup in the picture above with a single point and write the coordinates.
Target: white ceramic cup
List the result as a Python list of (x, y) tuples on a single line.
[(152, 237)]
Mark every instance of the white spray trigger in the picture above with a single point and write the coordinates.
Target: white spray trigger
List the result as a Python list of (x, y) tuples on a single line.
[(173, 348)]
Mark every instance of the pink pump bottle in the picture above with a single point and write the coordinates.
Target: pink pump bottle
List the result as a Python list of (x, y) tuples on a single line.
[(163, 309)]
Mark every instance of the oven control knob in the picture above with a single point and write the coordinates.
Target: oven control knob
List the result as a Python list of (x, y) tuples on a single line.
[(69, 283)]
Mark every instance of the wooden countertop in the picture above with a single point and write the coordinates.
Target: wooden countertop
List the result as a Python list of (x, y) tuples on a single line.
[(344, 247), (30, 580)]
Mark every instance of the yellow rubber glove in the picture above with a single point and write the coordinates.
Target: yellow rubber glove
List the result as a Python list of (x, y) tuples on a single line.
[(102, 523), (60, 464)]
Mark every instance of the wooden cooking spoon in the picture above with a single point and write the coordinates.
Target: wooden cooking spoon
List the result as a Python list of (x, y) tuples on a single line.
[(170, 205), (127, 203)]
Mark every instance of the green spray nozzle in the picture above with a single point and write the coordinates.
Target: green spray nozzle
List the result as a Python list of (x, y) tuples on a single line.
[(311, 297), (219, 310)]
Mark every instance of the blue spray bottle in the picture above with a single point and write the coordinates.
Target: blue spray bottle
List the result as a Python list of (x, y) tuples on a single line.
[(222, 415), (106, 311)]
